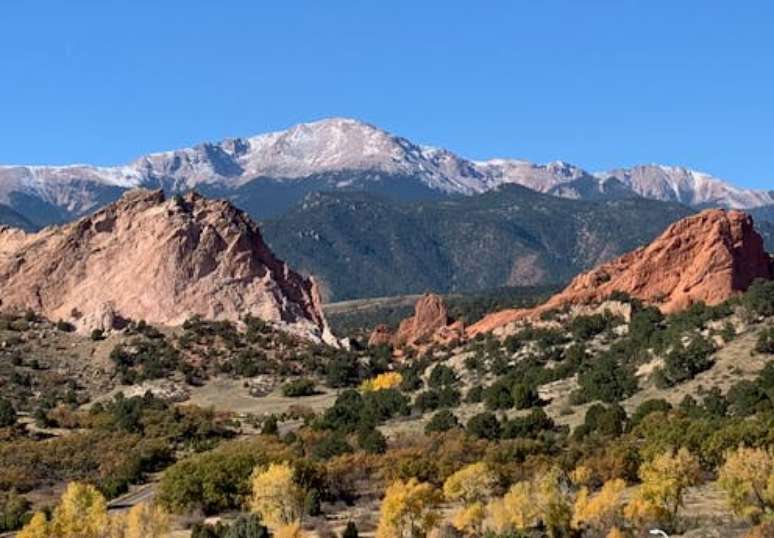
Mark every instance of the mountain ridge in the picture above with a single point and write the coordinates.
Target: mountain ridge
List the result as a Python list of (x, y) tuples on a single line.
[(340, 154), (362, 245)]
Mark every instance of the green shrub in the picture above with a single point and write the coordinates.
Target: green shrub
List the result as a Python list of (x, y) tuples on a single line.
[(524, 396), (529, 426), (475, 394), (586, 327), (606, 420), (218, 480), (442, 421), (298, 388), (765, 343), (350, 531), (606, 379), (14, 511), (484, 426), (759, 297), (332, 445), (683, 363), (97, 334), (7, 413), (65, 326), (650, 406), (372, 441), (498, 395), (442, 376), (313, 503)]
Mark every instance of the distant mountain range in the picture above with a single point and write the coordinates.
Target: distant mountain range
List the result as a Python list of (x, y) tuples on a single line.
[(267, 174), (363, 245)]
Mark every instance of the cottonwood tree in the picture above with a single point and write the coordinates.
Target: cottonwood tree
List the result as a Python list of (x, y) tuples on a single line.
[(747, 477), (472, 486), (542, 500), (600, 512), (146, 520), (664, 481), (409, 510), (275, 495), (36, 528)]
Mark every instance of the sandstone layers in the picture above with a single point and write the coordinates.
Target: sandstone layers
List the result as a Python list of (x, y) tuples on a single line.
[(162, 260), (707, 258)]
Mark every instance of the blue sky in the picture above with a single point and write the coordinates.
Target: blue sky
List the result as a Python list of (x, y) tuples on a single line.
[(599, 84)]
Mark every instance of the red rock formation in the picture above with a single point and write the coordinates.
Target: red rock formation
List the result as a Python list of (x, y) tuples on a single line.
[(146, 257), (380, 336), (429, 316), (430, 323), (706, 257)]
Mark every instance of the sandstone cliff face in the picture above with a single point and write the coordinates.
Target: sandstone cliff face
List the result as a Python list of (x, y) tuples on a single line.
[(146, 257), (707, 257), (430, 323)]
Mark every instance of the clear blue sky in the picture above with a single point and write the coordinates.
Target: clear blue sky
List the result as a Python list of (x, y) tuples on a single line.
[(600, 84)]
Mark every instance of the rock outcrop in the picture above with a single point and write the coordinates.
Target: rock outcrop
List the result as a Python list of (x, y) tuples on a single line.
[(160, 260), (707, 258), (430, 323)]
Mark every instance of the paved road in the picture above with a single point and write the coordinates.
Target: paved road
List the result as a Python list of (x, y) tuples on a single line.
[(143, 493)]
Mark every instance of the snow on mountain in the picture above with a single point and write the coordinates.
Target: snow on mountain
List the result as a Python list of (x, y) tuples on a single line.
[(689, 187), (350, 154)]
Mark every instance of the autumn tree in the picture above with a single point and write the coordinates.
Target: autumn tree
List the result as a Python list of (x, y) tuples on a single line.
[(275, 495), (516, 510), (36, 528), (146, 520), (291, 530), (553, 500), (529, 503), (664, 481), (472, 486), (747, 477), (81, 513), (387, 380), (600, 512), (409, 510)]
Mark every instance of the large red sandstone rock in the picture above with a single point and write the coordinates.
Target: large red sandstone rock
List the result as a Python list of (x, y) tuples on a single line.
[(430, 323), (707, 257), (146, 257), (430, 314)]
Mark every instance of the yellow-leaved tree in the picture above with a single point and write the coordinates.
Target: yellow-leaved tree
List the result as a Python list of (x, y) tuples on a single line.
[(37, 527), (615, 532), (472, 486), (146, 520), (543, 499), (747, 477), (555, 505), (664, 481), (293, 530), (81, 513), (387, 380), (516, 510), (601, 512), (409, 510), (276, 497)]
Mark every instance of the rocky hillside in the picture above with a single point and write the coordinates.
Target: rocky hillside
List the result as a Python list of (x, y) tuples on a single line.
[(266, 174), (161, 260), (705, 258), (361, 245)]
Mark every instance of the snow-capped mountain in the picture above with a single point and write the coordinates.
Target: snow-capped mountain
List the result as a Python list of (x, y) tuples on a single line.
[(689, 187), (268, 173)]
